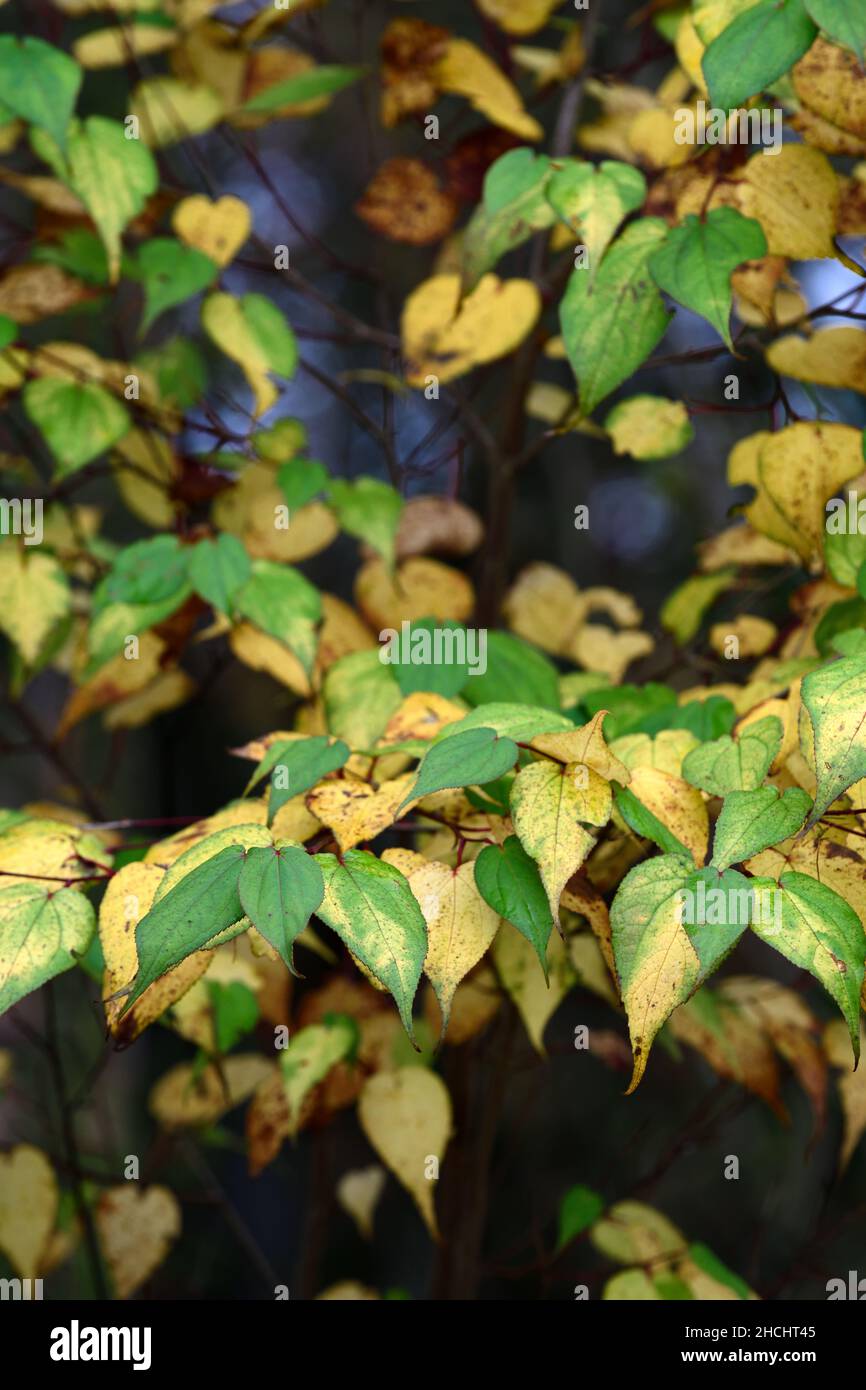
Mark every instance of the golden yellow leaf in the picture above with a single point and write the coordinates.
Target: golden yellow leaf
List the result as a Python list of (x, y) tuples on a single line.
[(754, 635), (406, 1116), (348, 1291), (136, 1229), (466, 71), (51, 849), (356, 811), (444, 336), (115, 47), (29, 1198), (652, 136), (113, 682), (548, 801), (519, 16), (666, 751), (422, 716), (677, 805), (262, 652), (649, 427), (421, 588), (740, 544), (170, 110), (599, 648), (544, 606), (585, 744), (794, 195), (224, 322), (181, 1099), (167, 691), (218, 227), (830, 81), (831, 357), (146, 470), (358, 1193)]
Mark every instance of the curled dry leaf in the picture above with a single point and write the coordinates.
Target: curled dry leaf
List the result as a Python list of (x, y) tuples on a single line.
[(182, 1100), (136, 1229), (410, 50), (29, 293), (404, 201)]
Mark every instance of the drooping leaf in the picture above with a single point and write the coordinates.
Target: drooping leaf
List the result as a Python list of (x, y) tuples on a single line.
[(817, 929), (171, 273), (835, 698), (280, 888), (44, 928), (578, 1210), (461, 926), (757, 48), (750, 821), (406, 1115), (253, 333), (513, 207), (280, 601), (371, 908), (508, 879), (549, 802), (370, 510), (697, 260), (611, 323)]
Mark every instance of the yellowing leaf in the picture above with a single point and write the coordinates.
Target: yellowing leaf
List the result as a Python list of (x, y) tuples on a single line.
[(356, 811), (265, 653), (446, 337), (216, 227), (34, 598), (358, 1193), (678, 806), (794, 195), (519, 16), (535, 997), (754, 636), (831, 357), (136, 1229), (29, 1198), (254, 334), (466, 71), (109, 48), (460, 926), (185, 1098), (421, 588), (649, 427), (406, 1115), (171, 110), (830, 81), (584, 745), (548, 802)]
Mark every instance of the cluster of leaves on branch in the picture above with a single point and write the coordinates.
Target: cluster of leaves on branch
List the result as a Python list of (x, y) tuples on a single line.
[(516, 832)]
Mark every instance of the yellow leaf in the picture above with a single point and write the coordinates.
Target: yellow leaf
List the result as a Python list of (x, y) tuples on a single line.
[(754, 636), (170, 110), (109, 48), (652, 136), (34, 598), (794, 195), (406, 1116), (466, 71), (29, 1198), (598, 648), (666, 751), (422, 716), (677, 805), (649, 427), (348, 1291), (741, 545), (136, 1229), (146, 471), (519, 16), (224, 322), (547, 803), (358, 1193), (831, 357), (473, 1006), (460, 926), (262, 652), (217, 227), (113, 682), (356, 811), (446, 337), (586, 745), (182, 1098), (237, 813), (544, 606), (421, 588), (51, 849), (830, 81), (523, 980)]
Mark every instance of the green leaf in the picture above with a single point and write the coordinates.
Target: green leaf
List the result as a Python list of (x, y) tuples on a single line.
[(642, 821), (297, 766), (757, 48), (750, 821), (508, 879), (520, 722), (111, 175), (843, 21), (371, 907), (370, 510), (515, 669), (180, 372), (43, 931), (665, 945), (712, 1265), (203, 903), (79, 251), (311, 1054), (835, 699), (253, 333), (513, 207), (579, 1208), (148, 571), (468, 759), (218, 570), (235, 1013), (171, 273), (697, 260), (39, 84), (594, 199), (306, 86), (817, 930), (8, 332), (300, 480), (280, 888), (412, 655), (741, 764), (840, 617), (112, 625), (360, 695), (628, 706), (845, 554), (612, 322), (280, 601), (78, 421)]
